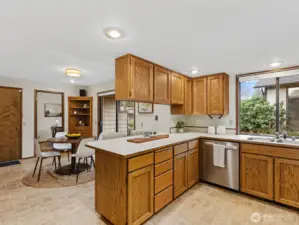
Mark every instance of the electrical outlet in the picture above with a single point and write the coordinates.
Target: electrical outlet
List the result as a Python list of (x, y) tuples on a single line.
[(141, 124), (156, 117)]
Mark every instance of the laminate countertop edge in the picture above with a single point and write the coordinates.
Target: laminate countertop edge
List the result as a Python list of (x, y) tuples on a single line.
[(120, 147)]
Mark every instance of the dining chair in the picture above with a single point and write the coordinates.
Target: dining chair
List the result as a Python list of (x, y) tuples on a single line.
[(111, 135), (43, 155), (62, 147), (84, 153)]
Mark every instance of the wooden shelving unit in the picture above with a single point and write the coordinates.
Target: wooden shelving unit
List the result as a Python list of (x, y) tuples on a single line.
[(80, 115)]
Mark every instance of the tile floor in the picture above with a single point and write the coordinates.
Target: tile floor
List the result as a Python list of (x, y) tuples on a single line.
[(203, 204)]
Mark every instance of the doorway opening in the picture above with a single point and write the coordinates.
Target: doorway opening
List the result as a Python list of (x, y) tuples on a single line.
[(48, 116)]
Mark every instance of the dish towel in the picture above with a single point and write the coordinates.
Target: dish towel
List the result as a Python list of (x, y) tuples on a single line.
[(219, 155)]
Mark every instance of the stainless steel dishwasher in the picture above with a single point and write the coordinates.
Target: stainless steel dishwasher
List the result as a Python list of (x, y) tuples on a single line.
[(227, 176)]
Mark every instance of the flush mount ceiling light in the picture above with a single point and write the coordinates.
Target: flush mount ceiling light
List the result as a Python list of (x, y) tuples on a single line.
[(276, 64), (113, 33), (72, 72), (194, 71)]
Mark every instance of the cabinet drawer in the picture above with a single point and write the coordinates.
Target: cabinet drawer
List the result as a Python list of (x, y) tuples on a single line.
[(163, 155), (163, 167), (178, 149), (163, 198), (192, 144), (163, 181), (140, 162)]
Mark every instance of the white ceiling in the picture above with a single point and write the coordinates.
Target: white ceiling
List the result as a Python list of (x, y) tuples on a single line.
[(39, 39)]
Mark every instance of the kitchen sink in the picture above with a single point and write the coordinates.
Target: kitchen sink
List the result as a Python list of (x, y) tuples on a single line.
[(286, 141), (264, 139)]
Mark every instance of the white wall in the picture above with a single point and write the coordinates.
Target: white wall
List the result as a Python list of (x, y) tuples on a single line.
[(143, 121), (44, 124), (229, 121), (28, 106)]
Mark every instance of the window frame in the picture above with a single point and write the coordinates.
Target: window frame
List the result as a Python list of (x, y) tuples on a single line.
[(238, 89)]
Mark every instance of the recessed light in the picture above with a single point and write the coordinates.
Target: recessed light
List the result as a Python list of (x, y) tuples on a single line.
[(276, 64), (72, 72), (113, 33), (194, 71)]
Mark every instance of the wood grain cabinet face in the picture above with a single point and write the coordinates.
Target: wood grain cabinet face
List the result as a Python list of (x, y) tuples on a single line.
[(177, 89), (180, 174), (200, 96), (215, 94), (193, 167), (140, 195), (142, 79), (162, 82), (287, 182), (134, 79), (257, 175), (188, 96)]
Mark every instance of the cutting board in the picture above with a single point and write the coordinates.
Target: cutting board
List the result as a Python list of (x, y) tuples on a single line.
[(142, 140)]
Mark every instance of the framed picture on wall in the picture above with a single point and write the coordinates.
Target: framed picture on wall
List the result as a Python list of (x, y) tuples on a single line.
[(53, 110), (145, 107)]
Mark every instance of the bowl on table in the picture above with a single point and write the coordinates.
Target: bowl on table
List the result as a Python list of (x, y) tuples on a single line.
[(73, 136)]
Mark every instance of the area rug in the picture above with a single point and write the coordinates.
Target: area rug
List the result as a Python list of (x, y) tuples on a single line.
[(49, 179)]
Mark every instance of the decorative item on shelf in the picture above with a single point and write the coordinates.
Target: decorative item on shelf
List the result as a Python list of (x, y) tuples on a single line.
[(145, 107), (57, 123), (81, 123), (75, 112), (180, 126), (85, 106)]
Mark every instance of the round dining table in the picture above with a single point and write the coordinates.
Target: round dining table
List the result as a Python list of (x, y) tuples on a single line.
[(67, 169)]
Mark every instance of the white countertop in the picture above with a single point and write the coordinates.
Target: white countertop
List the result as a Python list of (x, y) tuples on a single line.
[(122, 147)]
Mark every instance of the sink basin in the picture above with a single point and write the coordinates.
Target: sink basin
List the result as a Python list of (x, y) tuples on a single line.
[(264, 139), (287, 141)]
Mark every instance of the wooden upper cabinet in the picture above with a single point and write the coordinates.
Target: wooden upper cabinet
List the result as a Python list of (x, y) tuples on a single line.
[(287, 182), (200, 96), (188, 96), (140, 195), (257, 175), (177, 88), (218, 94), (162, 82), (134, 79)]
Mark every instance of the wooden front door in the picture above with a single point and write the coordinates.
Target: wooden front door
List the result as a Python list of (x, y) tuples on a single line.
[(11, 123)]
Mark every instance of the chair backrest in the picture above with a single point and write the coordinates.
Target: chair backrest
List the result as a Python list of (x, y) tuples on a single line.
[(111, 135), (138, 132), (82, 148), (60, 134), (37, 150)]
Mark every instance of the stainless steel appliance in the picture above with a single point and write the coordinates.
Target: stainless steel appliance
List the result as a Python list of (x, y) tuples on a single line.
[(227, 176)]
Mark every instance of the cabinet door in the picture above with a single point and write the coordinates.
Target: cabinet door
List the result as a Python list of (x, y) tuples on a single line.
[(257, 175), (188, 96), (193, 167), (142, 77), (215, 95), (180, 174), (162, 81), (287, 182), (140, 195), (200, 96), (177, 89)]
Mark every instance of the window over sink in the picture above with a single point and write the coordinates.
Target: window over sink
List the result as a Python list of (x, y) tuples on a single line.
[(269, 103)]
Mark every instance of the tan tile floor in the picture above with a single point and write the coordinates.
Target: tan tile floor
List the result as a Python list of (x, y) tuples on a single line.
[(203, 204)]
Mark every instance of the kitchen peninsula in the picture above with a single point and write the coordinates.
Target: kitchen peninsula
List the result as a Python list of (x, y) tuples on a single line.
[(135, 181)]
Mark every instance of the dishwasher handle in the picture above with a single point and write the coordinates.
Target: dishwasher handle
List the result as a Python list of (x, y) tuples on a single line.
[(226, 146)]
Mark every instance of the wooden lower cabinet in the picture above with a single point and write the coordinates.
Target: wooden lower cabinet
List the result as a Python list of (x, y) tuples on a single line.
[(180, 174), (257, 175), (193, 167), (140, 195), (287, 182), (163, 198)]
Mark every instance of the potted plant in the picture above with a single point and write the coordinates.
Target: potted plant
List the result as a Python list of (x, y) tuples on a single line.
[(180, 126)]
